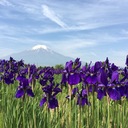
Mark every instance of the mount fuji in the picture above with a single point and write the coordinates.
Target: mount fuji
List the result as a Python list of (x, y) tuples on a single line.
[(40, 55)]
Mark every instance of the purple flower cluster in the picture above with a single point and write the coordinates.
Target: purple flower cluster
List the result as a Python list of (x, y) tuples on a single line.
[(49, 88), (102, 78)]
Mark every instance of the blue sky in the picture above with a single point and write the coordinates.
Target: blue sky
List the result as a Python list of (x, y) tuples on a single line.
[(89, 29)]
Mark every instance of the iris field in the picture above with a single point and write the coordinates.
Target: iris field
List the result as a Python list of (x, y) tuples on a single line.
[(76, 96)]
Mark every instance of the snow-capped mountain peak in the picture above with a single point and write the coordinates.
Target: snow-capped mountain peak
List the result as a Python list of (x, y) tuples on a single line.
[(37, 47), (40, 55)]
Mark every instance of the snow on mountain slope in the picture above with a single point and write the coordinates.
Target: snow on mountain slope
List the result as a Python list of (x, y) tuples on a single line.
[(40, 47)]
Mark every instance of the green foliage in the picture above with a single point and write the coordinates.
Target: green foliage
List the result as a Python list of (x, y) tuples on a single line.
[(27, 114), (59, 66), (1, 120)]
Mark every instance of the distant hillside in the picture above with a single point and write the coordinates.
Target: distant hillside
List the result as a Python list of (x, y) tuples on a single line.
[(40, 55)]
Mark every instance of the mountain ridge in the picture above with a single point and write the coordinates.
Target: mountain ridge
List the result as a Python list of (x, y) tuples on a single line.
[(40, 55)]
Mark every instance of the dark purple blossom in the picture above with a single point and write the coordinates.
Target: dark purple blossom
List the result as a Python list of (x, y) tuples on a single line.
[(8, 78), (114, 94), (50, 95), (52, 103), (105, 81), (82, 98), (24, 88), (71, 74), (46, 76)]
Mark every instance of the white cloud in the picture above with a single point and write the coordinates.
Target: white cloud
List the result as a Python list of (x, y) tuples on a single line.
[(84, 15), (49, 13), (89, 15), (77, 15), (5, 3), (124, 32), (73, 47)]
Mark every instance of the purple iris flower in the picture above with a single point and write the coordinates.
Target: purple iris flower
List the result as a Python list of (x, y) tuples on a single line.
[(97, 66), (24, 88), (46, 75), (52, 102), (108, 85), (73, 66), (92, 74), (105, 81), (82, 98), (50, 95), (114, 67), (77, 63), (11, 59), (71, 74), (68, 66), (21, 63), (8, 78), (32, 70)]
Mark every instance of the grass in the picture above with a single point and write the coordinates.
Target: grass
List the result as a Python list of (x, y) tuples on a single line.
[(28, 114), (1, 120)]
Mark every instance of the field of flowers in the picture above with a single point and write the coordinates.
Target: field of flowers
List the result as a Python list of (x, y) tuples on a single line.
[(89, 96)]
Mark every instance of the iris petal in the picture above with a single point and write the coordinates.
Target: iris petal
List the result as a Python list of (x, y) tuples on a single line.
[(53, 103), (19, 93), (30, 93), (43, 101), (84, 92), (68, 66), (82, 101), (64, 79), (100, 94), (73, 79), (74, 91), (92, 79), (103, 77), (114, 94), (115, 76)]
